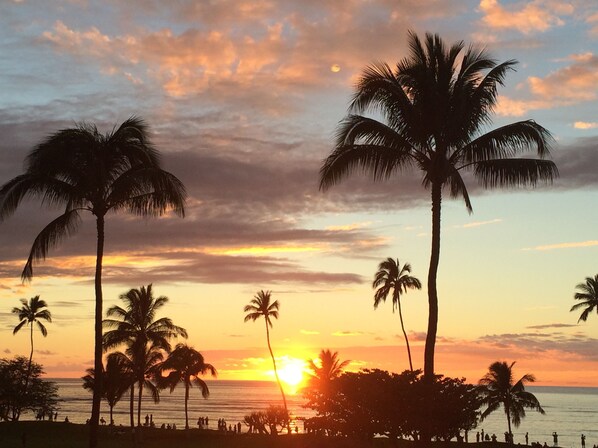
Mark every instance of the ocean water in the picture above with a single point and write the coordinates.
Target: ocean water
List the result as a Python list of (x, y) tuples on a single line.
[(570, 411)]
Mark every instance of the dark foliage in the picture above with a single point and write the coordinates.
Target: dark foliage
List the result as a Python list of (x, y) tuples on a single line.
[(41, 397), (363, 404)]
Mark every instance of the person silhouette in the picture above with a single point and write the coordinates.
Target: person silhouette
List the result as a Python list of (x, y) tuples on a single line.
[(583, 441), (526, 438), (555, 438)]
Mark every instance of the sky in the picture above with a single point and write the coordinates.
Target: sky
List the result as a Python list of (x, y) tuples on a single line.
[(243, 99)]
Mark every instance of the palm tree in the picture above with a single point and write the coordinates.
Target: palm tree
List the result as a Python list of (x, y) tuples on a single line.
[(329, 368), (145, 338), (588, 294), (185, 365), (391, 276), (118, 378), (86, 171), (498, 388), (28, 314), (257, 308), (435, 105)]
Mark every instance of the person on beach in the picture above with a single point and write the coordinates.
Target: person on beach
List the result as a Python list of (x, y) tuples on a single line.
[(477, 437), (526, 438), (555, 438), (583, 441)]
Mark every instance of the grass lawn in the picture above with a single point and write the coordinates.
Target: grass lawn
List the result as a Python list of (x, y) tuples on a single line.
[(68, 435)]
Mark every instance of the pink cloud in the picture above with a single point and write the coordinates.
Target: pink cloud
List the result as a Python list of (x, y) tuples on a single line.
[(526, 17)]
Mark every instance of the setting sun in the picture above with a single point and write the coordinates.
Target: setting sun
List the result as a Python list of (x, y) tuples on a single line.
[(291, 371)]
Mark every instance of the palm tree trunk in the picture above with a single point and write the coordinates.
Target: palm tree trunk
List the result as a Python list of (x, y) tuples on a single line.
[(186, 401), (132, 406), (405, 334), (111, 414), (26, 386), (97, 391), (507, 406), (139, 403), (432, 292), (284, 399)]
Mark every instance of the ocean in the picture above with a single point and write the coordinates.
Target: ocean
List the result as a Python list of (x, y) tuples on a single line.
[(570, 411)]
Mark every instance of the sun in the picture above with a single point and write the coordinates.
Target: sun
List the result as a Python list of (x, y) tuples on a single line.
[(291, 372)]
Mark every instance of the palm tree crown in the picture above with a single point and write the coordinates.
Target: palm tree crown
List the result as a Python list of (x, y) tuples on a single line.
[(186, 365), (588, 295), (434, 106), (31, 312), (257, 308), (327, 369), (84, 170), (499, 388), (146, 338), (392, 277)]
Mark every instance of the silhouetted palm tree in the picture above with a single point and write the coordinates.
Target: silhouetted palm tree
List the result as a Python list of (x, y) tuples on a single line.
[(28, 314), (588, 294), (391, 276), (185, 365), (145, 338), (259, 307), (117, 379), (435, 105), (328, 369), (87, 171), (498, 388)]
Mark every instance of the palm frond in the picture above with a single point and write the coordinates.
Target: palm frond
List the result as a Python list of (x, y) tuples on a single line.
[(515, 172), (61, 227)]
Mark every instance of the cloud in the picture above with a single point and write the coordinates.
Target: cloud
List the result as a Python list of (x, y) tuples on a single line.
[(479, 223), (547, 326), (347, 333), (309, 332), (571, 245), (585, 125), (525, 17)]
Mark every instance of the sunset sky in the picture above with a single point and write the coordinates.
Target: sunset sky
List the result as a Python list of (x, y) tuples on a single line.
[(243, 98)]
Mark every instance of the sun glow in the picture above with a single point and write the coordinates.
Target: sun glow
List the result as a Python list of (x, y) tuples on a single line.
[(292, 373)]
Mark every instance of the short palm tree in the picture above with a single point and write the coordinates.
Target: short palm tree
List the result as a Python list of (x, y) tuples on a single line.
[(433, 108), (261, 307), (498, 387), (588, 294), (117, 377), (84, 170), (391, 276), (146, 338), (32, 312), (186, 365)]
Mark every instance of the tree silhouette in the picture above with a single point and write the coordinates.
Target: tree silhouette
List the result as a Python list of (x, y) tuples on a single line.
[(498, 388), (588, 294), (87, 171), (145, 337), (434, 106), (117, 379), (186, 365), (391, 276), (28, 314), (259, 307)]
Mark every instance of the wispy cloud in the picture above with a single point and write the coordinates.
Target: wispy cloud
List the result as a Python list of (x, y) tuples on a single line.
[(525, 17), (585, 125), (547, 326), (347, 333), (309, 332), (573, 245), (479, 223)]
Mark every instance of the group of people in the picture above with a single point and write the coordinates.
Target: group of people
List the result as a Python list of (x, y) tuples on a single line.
[(481, 437), (203, 422), (222, 426), (41, 415)]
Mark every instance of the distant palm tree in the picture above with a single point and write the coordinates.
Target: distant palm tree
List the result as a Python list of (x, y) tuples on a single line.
[(588, 294), (329, 368), (498, 388), (434, 108), (118, 378), (185, 365), (259, 307), (391, 276), (28, 314), (145, 338), (87, 171)]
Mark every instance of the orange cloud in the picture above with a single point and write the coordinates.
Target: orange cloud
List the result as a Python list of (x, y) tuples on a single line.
[(574, 245), (526, 17), (585, 125)]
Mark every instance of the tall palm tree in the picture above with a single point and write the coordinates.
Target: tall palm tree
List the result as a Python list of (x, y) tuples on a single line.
[(146, 338), (29, 313), (257, 308), (185, 365), (391, 276), (434, 108), (85, 170), (327, 369), (498, 388), (117, 379), (588, 294)]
